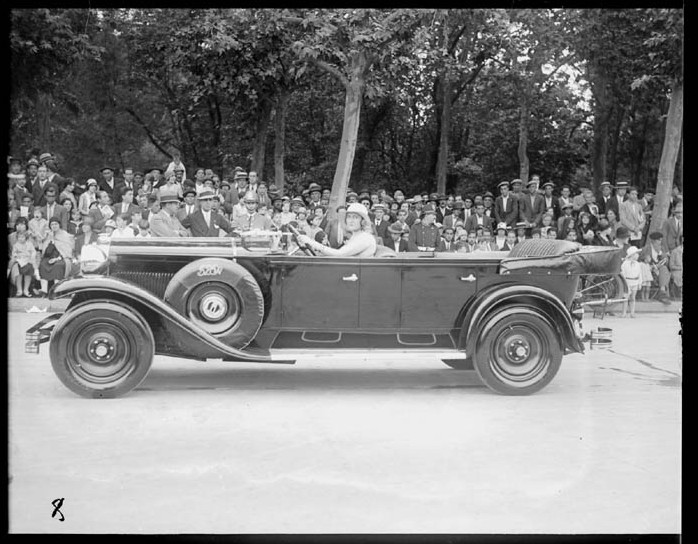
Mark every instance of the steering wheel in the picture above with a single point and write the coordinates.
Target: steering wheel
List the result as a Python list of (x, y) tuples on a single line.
[(306, 248)]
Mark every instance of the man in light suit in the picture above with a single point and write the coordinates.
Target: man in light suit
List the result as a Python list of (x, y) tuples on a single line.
[(165, 222), (506, 208), (203, 222)]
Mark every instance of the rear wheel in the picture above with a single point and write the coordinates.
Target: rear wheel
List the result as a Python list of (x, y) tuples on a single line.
[(518, 352), (101, 349)]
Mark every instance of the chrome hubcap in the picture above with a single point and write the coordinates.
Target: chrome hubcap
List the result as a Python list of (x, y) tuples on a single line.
[(213, 307), (518, 350)]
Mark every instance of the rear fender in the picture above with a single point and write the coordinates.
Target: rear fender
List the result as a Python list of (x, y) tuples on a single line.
[(497, 297), (174, 334)]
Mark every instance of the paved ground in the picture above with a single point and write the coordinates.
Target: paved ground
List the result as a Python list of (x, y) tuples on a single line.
[(370, 445)]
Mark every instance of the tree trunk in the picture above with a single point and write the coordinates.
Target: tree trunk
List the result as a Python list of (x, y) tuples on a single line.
[(260, 138), (523, 139), (280, 139), (670, 152), (601, 119), (43, 115), (350, 130), (442, 160), (619, 113)]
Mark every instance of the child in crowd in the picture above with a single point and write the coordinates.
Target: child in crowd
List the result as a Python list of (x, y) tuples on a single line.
[(123, 230), (511, 240), (38, 228), (24, 254), (552, 234), (631, 271), (143, 229), (75, 222)]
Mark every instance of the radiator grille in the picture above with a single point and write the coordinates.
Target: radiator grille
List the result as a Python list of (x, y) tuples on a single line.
[(155, 282)]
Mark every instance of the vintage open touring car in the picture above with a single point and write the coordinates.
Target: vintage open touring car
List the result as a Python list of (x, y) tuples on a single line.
[(509, 316)]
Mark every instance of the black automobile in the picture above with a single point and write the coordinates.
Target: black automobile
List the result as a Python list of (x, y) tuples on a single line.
[(509, 316)]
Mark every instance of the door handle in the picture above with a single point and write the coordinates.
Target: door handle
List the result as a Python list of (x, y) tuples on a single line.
[(468, 278), (353, 277)]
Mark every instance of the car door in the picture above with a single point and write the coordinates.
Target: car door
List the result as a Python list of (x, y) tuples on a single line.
[(379, 294), (433, 291), (320, 293)]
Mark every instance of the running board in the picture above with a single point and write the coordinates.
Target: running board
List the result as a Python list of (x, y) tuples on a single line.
[(279, 355)]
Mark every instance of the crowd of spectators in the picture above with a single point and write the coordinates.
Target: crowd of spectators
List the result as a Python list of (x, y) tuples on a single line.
[(51, 217)]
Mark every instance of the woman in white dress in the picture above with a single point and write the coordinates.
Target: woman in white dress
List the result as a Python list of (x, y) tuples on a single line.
[(361, 242)]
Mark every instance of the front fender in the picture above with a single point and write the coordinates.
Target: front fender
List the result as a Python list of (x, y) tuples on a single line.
[(174, 334), (528, 296)]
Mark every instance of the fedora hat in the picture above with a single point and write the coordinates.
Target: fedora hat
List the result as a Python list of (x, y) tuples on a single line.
[(167, 198)]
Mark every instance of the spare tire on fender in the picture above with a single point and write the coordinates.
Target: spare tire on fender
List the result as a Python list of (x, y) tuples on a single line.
[(221, 297)]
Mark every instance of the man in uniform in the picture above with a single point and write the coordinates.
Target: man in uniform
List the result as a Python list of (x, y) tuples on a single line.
[(165, 222), (506, 206), (203, 222), (250, 219), (425, 235)]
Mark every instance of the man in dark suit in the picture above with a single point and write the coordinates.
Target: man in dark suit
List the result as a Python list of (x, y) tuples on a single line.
[(442, 211), (606, 201), (478, 219), (189, 206), (109, 184), (203, 222), (130, 181), (397, 241), (51, 209), (447, 244), (53, 175), (672, 229), (126, 205), (552, 204), (531, 206), (39, 185), (506, 206), (380, 223)]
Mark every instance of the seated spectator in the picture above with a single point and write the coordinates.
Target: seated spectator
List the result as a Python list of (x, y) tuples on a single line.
[(447, 244), (500, 239), (75, 222), (511, 240), (26, 207), (57, 256), (613, 222), (572, 236), (564, 219), (546, 223), (622, 240), (144, 229), (521, 231), (603, 233), (471, 245), (88, 197), (23, 260), (396, 242), (484, 241), (631, 272), (109, 228), (535, 233), (12, 211), (68, 194), (123, 228), (585, 229), (86, 237)]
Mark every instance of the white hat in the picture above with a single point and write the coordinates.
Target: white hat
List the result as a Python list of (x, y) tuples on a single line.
[(632, 250), (358, 209)]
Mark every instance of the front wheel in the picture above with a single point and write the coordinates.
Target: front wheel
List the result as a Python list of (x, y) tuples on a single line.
[(101, 349), (518, 352)]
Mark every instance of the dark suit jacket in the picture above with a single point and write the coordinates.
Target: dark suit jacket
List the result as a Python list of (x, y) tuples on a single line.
[(440, 214), (130, 210), (510, 215), (471, 223), (443, 248), (60, 212), (231, 198), (403, 246), (671, 233), (555, 206), (382, 230), (115, 193), (612, 204), (37, 193), (196, 223), (531, 212)]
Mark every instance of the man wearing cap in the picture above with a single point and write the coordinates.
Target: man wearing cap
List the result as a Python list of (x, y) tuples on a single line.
[(189, 205), (250, 218), (424, 236), (621, 193), (396, 241), (532, 205), (550, 202), (442, 211), (203, 222), (52, 209), (478, 219), (488, 201), (506, 208), (101, 212), (165, 222), (606, 201), (108, 183), (565, 197), (500, 239), (31, 172), (517, 189), (315, 195), (380, 222)]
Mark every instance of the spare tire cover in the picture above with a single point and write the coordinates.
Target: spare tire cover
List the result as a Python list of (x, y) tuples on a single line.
[(221, 297)]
